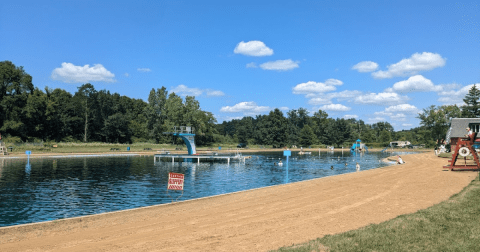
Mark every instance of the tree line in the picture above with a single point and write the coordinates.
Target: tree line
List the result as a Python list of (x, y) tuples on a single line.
[(90, 115)]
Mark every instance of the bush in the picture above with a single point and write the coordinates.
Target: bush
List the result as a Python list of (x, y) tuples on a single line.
[(13, 139)]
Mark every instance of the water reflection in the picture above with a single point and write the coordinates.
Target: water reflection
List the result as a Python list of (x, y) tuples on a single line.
[(53, 188)]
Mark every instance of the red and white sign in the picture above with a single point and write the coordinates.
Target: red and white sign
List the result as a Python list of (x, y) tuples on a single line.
[(175, 181)]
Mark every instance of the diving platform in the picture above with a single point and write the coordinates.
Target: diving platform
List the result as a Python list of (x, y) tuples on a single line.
[(187, 133), (197, 158)]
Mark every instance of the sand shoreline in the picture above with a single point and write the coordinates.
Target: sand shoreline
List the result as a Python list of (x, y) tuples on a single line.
[(254, 220)]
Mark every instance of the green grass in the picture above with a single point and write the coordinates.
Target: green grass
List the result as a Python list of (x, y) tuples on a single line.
[(453, 225), (107, 147)]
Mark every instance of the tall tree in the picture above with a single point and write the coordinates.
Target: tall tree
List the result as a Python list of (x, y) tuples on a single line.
[(86, 98), (15, 86), (471, 109)]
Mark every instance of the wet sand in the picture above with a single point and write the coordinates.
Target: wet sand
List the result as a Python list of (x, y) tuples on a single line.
[(254, 220)]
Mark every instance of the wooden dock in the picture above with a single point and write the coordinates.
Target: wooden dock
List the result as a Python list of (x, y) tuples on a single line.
[(198, 157)]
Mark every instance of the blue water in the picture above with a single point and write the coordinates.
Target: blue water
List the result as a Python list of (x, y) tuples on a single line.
[(54, 188)]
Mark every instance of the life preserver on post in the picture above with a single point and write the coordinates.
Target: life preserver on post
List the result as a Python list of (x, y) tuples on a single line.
[(464, 151)]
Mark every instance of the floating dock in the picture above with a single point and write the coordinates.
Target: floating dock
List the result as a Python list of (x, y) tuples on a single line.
[(197, 157)]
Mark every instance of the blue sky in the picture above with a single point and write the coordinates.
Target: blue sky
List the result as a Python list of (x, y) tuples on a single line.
[(370, 60)]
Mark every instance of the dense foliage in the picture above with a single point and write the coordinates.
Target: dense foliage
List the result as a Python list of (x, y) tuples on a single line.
[(89, 115)]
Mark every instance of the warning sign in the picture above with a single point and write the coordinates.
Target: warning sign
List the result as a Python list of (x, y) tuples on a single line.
[(175, 181)]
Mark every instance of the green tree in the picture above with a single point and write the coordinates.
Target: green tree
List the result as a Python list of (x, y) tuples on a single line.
[(436, 119), (307, 136), (15, 86), (156, 114), (471, 109), (385, 137), (86, 100)]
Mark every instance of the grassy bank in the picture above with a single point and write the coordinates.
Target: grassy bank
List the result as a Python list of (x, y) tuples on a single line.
[(453, 225), (109, 147)]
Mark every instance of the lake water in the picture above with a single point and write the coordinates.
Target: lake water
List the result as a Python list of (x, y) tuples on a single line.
[(61, 187)]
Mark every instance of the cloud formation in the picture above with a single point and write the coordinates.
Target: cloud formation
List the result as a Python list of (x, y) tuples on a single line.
[(335, 107), (449, 96), (365, 66), (144, 70), (312, 87), (350, 116), (405, 108), (245, 107), (253, 48), (385, 98), (399, 112), (70, 73), (183, 90), (416, 63), (416, 83), (280, 65)]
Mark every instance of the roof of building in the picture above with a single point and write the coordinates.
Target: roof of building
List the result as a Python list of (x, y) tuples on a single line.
[(459, 125)]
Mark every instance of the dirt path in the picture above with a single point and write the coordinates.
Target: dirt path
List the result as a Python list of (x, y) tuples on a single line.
[(255, 220)]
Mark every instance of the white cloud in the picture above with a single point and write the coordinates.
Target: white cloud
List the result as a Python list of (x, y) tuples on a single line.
[(407, 125), (70, 73), (144, 70), (350, 116), (245, 107), (253, 48), (211, 92), (398, 112), (376, 119), (405, 108), (252, 65), (384, 98), (284, 108), (280, 65), (451, 97), (183, 90), (319, 100), (334, 82), (416, 63), (335, 107), (416, 83), (313, 87), (382, 113), (345, 94), (127, 75), (365, 66), (399, 117)]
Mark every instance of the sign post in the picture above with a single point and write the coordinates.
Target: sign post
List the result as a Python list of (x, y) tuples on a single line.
[(175, 182), (287, 153), (28, 167)]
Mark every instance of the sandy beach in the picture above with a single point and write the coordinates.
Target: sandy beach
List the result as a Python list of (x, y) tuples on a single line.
[(254, 220)]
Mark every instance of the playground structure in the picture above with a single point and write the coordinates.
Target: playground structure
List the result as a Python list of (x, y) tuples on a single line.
[(465, 147), (359, 146)]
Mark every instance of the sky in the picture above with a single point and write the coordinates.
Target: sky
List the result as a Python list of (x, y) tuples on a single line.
[(369, 60)]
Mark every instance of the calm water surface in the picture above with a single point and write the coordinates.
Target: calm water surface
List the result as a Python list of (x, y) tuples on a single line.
[(54, 188)]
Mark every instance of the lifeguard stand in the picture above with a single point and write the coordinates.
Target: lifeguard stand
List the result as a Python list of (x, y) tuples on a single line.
[(464, 147), (187, 133)]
